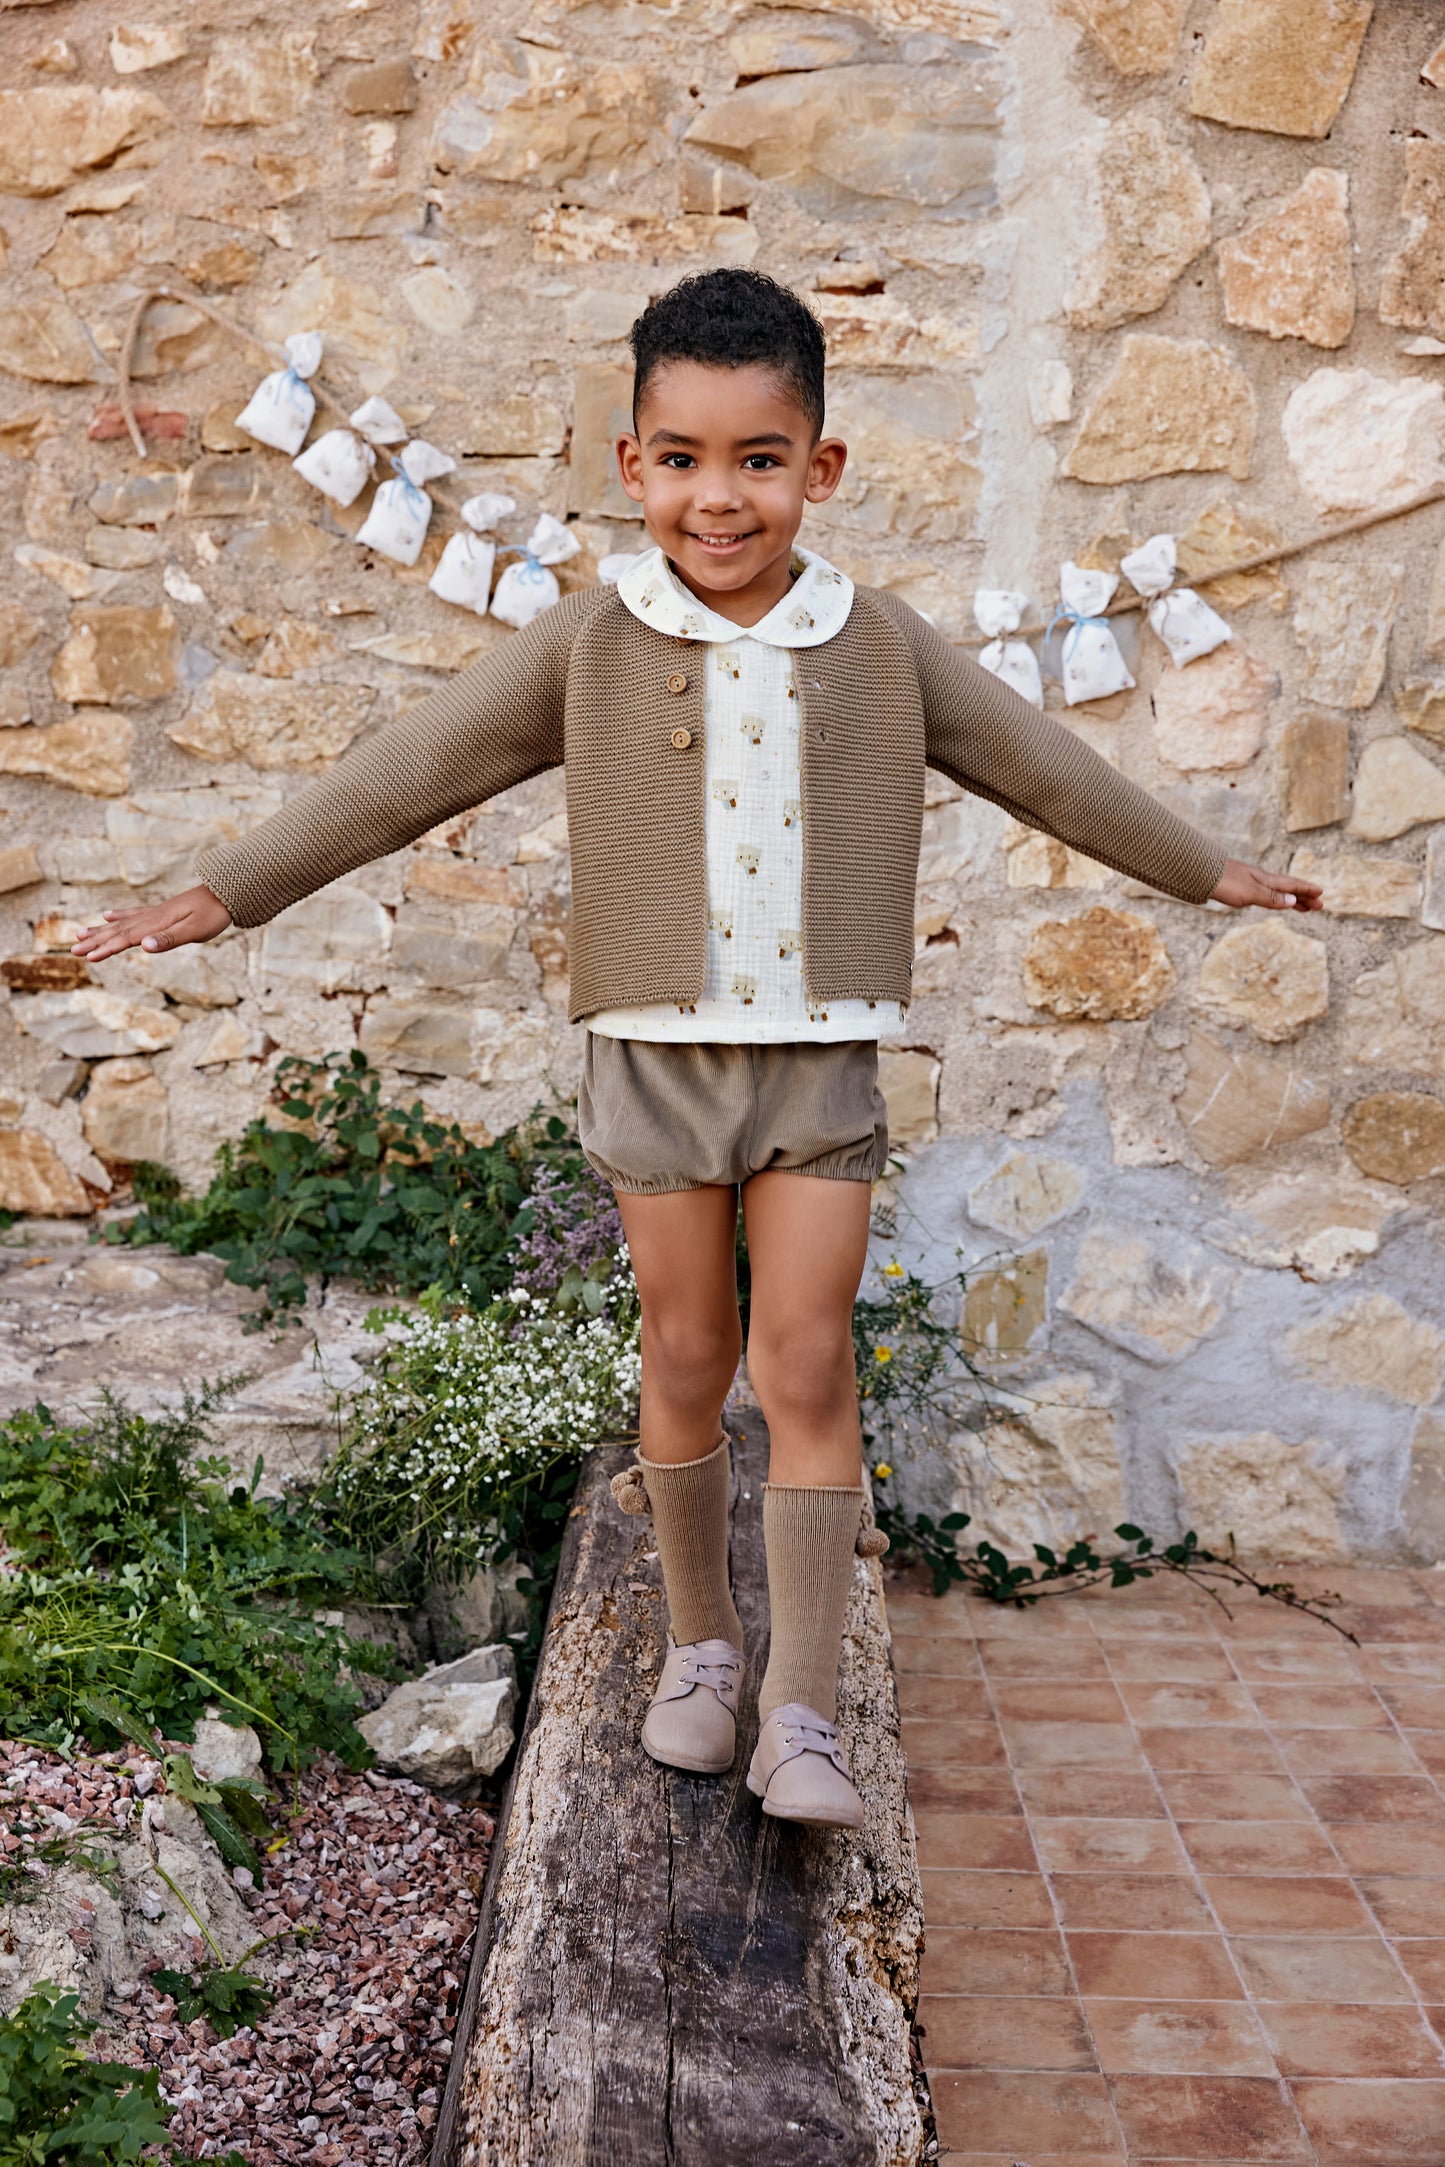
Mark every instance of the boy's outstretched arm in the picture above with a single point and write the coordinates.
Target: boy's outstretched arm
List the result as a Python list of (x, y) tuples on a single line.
[(992, 741), (495, 724)]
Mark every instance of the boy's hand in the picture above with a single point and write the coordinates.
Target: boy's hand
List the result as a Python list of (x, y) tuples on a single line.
[(197, 915), (1241, 884)]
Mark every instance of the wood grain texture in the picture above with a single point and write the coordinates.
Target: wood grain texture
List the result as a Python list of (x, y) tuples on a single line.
[(663, 1974)]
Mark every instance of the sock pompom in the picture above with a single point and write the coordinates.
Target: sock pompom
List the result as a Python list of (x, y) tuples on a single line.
[(871, 1543), (630, 1490)]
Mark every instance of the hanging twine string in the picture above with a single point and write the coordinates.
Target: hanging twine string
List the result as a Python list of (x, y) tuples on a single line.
[(1202, 577)]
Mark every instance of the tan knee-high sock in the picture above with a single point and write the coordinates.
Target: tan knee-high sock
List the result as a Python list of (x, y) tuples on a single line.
[(809, 1535), (689, 1505)]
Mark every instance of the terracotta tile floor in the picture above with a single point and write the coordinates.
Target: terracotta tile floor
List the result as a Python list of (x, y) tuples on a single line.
[(1184, 1877)]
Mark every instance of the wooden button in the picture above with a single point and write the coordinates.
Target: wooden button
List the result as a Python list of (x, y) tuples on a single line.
[(677, 682), (682, 739)]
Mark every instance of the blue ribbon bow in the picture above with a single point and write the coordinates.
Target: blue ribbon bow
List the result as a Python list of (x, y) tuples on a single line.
[(1077, 620), (411, 488)]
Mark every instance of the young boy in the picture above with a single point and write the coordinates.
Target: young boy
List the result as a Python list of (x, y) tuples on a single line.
[(744, 734)]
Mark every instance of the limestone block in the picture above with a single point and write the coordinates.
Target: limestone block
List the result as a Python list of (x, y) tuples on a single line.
[(1149, 198), (421, 1038), (1396, 1136), (1359, 442), (1005, 1312), (1049, 1468), (714, 185), (328, 939), (1028, 1191), (875, 331), (1042, 861), (1278, 1498), (262, 82), (35, 1180), (1435, 606), (462, 880), (89, 752), (175, 336), (142, 500), (293, 646), (1222, 534), (1237, 818), (1321, 1225), (90, 248), (856, 142), (231, 1040), (43, 338), (19, 867), (1314, 758), (134, 47), (1422, 1508), (50, 135), (1157, 1298), (914, 466), (448, 647), (1101, 966), (387, 86), (908, 1080), (1268, 976), (451, 1728), (1396, 1014), (155, 835), (21, 435), (961, 839), (520, 424), (91, 1023), (1284, 66), (544, 117), (1396, 788), (1214, 713), (1051, 393), (1342, 619), (439, 955), (82, 582), (272, 722), (601, 315), (1362, 887), (792, 40), (1168, 406), (547, 841), (1432, 909), (362, 328), (124, 1111), (282, 545), (1236, 1104), (601, 411), (1411, 287), (225, 1752), (1420, 705), (570, 235), (1140, 37), (117, 652), (1371, 1345), (437, 300), (18, 632), (1434, 69), (1291, 274), (187, 974), (227, 488)]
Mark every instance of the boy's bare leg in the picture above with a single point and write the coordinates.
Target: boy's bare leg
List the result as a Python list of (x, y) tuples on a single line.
[(807, 1245), (683, 1249)]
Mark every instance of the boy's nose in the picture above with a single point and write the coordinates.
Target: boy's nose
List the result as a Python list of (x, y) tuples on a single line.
[(716, 493)]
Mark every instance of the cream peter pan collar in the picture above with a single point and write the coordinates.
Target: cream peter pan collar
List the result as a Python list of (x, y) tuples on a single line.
[(815, 607)]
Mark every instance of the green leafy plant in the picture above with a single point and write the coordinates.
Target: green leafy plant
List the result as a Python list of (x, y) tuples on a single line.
[(55, 2104), (33, 1849), (144, 1583), (343, 1184), (227, 1995)]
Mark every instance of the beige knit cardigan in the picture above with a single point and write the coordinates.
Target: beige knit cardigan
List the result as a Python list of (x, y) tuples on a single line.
[(621, 704)]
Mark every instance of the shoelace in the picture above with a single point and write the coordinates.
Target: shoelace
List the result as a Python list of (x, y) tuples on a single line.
[(819, 1737), (721, 1673)]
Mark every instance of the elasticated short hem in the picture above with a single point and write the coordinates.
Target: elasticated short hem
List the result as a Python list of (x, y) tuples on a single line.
[(656, 1118)]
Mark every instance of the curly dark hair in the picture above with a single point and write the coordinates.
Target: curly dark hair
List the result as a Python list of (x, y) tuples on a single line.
[(730, 319)]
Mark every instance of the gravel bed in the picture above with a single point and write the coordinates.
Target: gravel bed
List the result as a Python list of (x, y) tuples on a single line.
[(347, 2066)]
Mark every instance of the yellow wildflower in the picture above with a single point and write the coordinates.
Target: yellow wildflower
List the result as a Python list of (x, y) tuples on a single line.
[(882, 1471), (893, 1270), (883, 1354)]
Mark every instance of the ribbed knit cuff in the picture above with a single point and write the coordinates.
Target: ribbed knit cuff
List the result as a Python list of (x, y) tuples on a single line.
[(809, 1532), (689, 1503)]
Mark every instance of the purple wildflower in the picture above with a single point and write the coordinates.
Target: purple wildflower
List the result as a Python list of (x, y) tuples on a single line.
[(573, 1222)]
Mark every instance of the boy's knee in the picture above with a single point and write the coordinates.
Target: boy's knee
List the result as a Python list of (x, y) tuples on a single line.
[(691, 1351), (802, 1372)]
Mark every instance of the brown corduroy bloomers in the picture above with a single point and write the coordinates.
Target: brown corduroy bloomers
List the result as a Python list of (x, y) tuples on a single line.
[(623, 705)]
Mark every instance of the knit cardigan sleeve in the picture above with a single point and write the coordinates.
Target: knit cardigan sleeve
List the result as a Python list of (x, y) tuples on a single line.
[(988, 738), (493, 725)]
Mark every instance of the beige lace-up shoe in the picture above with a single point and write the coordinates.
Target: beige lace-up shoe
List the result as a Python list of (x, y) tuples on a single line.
[(799, 1773), (692, 1721)]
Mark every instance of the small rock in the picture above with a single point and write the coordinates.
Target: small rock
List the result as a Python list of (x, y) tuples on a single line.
[(1396, 1136), (1156, 1300), (92, 1022), (1291, 274), (1357, 887), (1342, 619), (117, 653), (19, 867), (1420, 705), (1411, 285), (224, 1752), (34, 1179), (1278, 1498), (1284, 66), (1268, 976), (42, 338), (135, 47), (1168, 406), (1360, 443), (125, 1111), (451, 1728), (1140, 37), (387, 86), (1150, 199), (1214, 713), (1004, 1312), (1314, 757), (1432, 909), (1396, 788), (1372, 1345), (1101, 966), (1237, 1104), (258, 82), (1396, 1014), (1029, 1191), (89, 752), (271, 722)]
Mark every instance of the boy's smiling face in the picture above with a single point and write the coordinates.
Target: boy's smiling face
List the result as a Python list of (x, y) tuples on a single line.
[(722, 464)]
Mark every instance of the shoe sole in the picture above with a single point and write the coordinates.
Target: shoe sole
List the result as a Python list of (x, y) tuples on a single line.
[(689, 1768), (815, 1820)]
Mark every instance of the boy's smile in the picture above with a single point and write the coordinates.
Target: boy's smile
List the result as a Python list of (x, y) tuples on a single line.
[(722, 464)]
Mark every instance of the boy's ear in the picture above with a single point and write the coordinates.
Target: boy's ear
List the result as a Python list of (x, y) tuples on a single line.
[(825, 468), (629, 465)]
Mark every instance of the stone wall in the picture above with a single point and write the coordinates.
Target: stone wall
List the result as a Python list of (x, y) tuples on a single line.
[(1089, 269)]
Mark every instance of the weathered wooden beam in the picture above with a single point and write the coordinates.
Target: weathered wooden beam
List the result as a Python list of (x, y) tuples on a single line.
[(662, 1973)]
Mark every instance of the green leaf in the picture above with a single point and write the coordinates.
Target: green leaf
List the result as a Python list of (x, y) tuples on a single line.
[(1130, 1533)]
